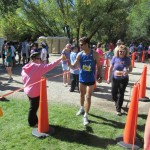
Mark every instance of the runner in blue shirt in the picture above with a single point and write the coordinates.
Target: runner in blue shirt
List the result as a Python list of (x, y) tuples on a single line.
[(87, 59)]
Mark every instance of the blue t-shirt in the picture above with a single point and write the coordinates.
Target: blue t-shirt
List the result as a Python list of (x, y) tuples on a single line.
[(140, 48), (120, 64), (73, 56), (87, 67)]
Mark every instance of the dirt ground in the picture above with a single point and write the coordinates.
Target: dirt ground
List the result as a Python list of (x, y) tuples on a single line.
[(56, 92)]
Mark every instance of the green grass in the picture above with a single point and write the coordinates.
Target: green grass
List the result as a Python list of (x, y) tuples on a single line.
[(70, 134)]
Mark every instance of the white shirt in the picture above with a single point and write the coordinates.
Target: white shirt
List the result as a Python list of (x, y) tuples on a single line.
[(43, 54), (12, 50)]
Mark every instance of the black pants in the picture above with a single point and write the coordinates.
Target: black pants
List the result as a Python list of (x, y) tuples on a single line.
[(32, 115), (118, 90), (74, 81)]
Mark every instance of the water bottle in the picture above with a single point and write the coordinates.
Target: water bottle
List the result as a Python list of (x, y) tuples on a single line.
[(125, 70)]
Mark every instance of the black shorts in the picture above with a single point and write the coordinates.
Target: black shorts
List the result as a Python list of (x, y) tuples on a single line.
[(88, 83), (3, 56), (24, 54), (47, 56), (148, 55)]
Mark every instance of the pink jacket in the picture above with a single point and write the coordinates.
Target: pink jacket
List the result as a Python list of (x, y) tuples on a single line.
[(100, 52), (32, 73)]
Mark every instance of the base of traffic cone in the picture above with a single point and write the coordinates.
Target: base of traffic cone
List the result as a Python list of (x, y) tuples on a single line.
[(136, 145), (38, 134), (145, 99)]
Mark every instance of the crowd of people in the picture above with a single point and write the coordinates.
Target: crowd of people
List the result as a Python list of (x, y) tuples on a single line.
[(84, 64), (88, 64), (23, 49)]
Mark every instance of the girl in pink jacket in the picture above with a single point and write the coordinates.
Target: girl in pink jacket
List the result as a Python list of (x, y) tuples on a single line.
[(31, 73)]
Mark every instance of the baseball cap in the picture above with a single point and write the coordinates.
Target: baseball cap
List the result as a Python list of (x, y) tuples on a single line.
[(35, 55), (43, 43)]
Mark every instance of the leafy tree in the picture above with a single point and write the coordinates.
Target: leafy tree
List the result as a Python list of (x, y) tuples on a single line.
[(8, 6), (139, 18), (99, 20)]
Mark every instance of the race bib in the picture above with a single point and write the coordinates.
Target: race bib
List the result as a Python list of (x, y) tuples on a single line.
[(86, 68)]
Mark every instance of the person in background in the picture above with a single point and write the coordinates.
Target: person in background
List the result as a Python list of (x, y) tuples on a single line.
[(25, 51), (140, 51), (44, 53), (65, 64), (94, 47), (75, 71), (48, 55), (119, 42), (100, 52), (131, 48), (13, 53), (19, 47), (33, 48), (36, 48), (87, 59), (29, 48), (120, 68), (109, 55), (111, 46), (31, 73), (8, 61), (147, 133)]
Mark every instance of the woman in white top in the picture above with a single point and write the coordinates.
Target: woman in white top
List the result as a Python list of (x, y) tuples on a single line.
[(44, 53)]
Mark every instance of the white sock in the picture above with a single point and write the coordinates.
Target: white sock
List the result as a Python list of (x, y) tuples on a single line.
[(82, 108), (85, 114)]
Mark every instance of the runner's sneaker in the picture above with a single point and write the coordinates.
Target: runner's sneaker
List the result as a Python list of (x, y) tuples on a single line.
[(118, 113), (65, 84), (10, 80), (85, 121), (80, 112)]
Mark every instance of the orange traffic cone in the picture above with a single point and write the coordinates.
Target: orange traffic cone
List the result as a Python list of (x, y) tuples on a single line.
[(43, 124), (133, 59), (106, 73), (129, 140), (107, 62), (44, 129), (142, 91), (1, 112), (143, 57)]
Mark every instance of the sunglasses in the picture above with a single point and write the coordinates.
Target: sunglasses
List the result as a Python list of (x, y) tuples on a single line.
[(121, 51)]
